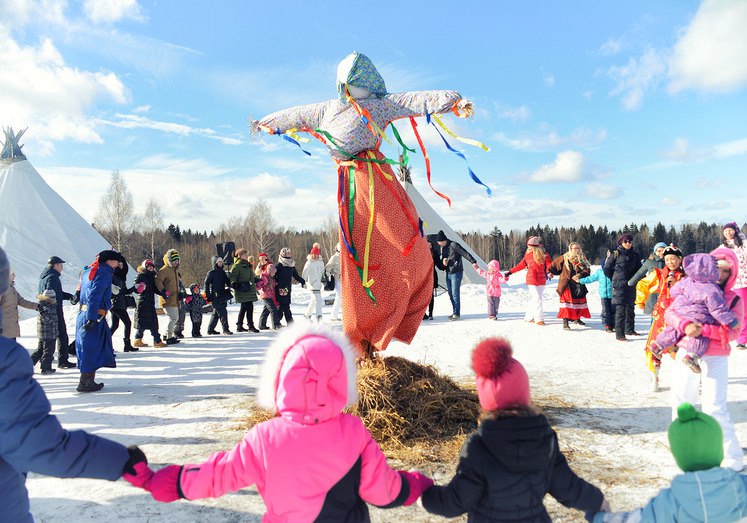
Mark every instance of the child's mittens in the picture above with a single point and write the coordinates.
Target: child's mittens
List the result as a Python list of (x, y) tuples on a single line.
[(140, 287), (167, 294), (418, 483), (164, 486), (136, 470), (188, 300), (507, 274)]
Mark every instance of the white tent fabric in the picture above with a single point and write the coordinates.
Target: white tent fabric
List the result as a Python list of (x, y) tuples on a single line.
[(36, 223), (434, 223)]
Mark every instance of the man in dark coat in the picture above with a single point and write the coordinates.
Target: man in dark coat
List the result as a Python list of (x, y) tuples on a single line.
[(620, 267), (32, 440), (145, 305), (50, 279), (218, 292), (451, 254)]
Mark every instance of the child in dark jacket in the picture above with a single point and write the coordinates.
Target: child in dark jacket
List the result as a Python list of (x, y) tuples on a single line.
[(194, 303), (46, 330), (511, 462)]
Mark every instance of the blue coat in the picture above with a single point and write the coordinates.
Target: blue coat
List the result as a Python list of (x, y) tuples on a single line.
[(50, 279), (32, 440), (605, 284), (721, 492), (94, 347)]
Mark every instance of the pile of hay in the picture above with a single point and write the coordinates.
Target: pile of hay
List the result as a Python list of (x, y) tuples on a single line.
[(415, 414)]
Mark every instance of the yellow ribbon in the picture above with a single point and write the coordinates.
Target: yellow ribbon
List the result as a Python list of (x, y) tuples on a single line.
[(366, 282), (468, 141), (292, 133)]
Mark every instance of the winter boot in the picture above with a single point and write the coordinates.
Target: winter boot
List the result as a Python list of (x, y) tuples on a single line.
[(128, 347), (172, 341), (691, 363), (87, 384), (579, 322), (227, 332), (240, 328), (252, 328), (213, 332), (49, 371), (139, 343), (179, 335), (159, 344), (565, 324), (318, 319), (66, 365)]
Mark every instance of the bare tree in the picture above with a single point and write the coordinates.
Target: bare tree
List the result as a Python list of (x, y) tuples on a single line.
[(330, 235), (151, 224), (115, 214), (262, 227)]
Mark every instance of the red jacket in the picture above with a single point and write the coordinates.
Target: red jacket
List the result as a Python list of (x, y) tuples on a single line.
[(536, 273)]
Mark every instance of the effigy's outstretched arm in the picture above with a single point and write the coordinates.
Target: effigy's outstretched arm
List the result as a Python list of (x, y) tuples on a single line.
[(299, 117), (418, 103)]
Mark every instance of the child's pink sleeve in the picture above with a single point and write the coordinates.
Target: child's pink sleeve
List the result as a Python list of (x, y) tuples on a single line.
[(482, 273), (380, 484), (226, 471)]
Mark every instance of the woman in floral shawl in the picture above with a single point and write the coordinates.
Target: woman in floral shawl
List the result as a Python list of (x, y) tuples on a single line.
[(572, 266), (386, 287)]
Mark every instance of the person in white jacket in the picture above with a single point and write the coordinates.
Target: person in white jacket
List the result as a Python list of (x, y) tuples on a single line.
[(333, 271), (312, 273)]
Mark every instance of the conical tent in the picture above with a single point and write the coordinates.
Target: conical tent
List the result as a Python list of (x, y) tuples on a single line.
[(36, 223), (432, 223)]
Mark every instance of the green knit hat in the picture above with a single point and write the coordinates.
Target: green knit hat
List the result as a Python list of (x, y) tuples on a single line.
[(696, 440)]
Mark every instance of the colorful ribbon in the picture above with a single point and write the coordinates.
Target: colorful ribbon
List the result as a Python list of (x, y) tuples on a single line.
[(427, 160)]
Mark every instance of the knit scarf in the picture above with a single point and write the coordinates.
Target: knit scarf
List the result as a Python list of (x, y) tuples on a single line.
[(577, 263), (287, 262)]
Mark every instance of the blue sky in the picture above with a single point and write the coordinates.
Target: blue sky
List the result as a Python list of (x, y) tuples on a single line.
[(599, 113)]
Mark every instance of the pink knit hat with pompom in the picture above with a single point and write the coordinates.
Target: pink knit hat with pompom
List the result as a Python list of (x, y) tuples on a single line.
[(501, 380)]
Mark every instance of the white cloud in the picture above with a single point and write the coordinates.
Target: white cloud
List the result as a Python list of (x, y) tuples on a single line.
[(732, 148), (268, 186), (38, 89), (683, 152), (567, 167), (110, 11), (638, 76), (710, 55), (669, 201), (603, 191), (19, 13), (133, 121), (548, 79), (547, 139), (611, 47), (141, 109), (515, 114)]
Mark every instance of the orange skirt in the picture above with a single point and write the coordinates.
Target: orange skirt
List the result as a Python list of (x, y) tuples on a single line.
[(402, 281)]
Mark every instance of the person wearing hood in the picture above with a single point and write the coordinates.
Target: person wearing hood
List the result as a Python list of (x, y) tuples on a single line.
[(332, 269), (168, 285), (513, 459), (735, 240), (93, 338), (145, 304), (494, 279), (32, 439), (713, 380), (313, 271), (312, 461), (620, 268), (286, 273), (121, 294), (266, 284), (10, 300), (386, 286), (706, 491), (244, 284), (50, 280), (654, 261), (218, 292)]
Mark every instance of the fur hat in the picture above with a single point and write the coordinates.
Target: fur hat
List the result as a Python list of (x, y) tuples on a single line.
[(441, 236), (4, 274), (733, 226), (696, 440), (501, 380), (624, 238), (109, 255), (672, 249), (315, 250), (214, 260), (534, 241)]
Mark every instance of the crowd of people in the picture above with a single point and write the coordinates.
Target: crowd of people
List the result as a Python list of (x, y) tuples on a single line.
[(696, 307)]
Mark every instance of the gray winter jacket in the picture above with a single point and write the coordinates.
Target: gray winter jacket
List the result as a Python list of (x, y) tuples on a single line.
[(9, 302)]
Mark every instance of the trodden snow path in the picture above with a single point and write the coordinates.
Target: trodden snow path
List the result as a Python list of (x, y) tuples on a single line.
[(184, 402)]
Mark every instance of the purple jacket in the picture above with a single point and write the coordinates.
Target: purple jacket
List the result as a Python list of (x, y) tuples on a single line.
[(698, 297)]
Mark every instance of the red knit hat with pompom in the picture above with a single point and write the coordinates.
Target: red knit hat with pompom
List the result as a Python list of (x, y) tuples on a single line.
[(501, 380)]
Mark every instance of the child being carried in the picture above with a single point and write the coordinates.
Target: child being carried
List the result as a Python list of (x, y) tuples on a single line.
[(697, 298)]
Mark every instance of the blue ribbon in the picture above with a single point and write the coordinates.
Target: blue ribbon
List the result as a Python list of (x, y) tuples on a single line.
[(291, 140), (460, 154)]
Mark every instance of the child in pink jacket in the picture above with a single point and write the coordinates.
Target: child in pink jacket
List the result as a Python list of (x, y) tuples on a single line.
[(494, 280), (311, 462)]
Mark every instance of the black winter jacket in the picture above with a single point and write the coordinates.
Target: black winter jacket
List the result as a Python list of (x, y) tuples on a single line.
[(454, 253), (119, 278), (50, 279), (145, 302), (505, 469), (217, 285), (283, 279), (620, 267)]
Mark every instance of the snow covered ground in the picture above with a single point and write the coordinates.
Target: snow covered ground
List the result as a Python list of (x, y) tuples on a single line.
[(183, 402)]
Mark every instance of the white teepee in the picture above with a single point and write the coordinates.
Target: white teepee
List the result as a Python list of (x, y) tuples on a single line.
[(36, 223), (432, 223)]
